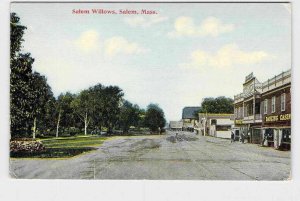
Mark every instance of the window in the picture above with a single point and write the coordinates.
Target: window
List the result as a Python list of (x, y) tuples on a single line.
[(223, 128), (282, 102), (245, 110), (266, 106), (286, 135), (257, 108), (273, 104), (269, 134), (213, 122), (250, 109), (241, 112)]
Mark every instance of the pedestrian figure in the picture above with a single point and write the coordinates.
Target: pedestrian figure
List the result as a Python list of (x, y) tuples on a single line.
[(232, 136), (242, 138), (249, 137), (265, 140)]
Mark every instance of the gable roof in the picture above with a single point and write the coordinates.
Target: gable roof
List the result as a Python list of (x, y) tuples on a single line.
[(189, 112)]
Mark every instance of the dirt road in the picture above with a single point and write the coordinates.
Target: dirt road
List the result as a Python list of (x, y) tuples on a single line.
[(163, 157)]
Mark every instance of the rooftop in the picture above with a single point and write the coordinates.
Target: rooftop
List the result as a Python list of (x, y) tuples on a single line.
[(190, 112), (257, 87)]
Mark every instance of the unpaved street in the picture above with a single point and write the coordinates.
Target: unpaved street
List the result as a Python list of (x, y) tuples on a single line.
[(163, 157)]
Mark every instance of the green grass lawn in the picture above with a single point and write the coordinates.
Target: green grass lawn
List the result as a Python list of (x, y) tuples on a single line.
[(73, 142), (64, 147)]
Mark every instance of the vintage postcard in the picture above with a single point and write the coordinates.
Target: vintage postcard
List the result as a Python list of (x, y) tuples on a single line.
[(157, 91)]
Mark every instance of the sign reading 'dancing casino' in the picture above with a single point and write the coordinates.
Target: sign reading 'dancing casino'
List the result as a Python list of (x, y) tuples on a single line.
[(281, 117)]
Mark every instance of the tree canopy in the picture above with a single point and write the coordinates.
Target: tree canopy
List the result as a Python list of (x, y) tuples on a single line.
[(129, 116), (154, 118), (29, 91), (35, 110), (218, 105)]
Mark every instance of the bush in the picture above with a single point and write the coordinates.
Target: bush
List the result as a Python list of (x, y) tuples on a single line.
[(24, 145), (74, 131)]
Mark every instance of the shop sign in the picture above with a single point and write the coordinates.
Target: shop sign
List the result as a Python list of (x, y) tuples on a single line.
[(238, 122), (276, 118)]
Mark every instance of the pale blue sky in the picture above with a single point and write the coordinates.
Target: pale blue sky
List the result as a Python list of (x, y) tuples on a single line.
[(176, 58)]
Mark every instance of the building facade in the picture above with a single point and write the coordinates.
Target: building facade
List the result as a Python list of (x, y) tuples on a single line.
[(216, 125), (276, 110), (176, 125), (190, 118), (247, 105), (262, 112)]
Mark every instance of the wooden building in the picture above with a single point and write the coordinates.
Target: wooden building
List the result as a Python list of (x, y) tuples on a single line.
[(262, 112), (247, 113), (216, 125), (190, 118), (176, 125), (276, 110)]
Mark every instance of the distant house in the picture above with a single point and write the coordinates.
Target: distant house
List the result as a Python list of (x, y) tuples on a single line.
[(216, 125), (190, 118), (176, 125)]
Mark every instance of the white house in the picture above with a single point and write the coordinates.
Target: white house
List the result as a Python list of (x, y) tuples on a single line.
[(217, 125), (176, 125)]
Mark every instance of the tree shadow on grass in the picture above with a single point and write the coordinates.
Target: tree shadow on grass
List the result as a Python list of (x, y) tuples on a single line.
[(52, 153)]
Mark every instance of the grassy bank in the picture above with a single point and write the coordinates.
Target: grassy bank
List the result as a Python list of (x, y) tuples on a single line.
[(73, 142), (64, 147)]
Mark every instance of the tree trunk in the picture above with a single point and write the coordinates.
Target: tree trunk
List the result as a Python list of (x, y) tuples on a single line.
[(28, 129), (57, 125), (85, 124), (110, 129), (34, 128)]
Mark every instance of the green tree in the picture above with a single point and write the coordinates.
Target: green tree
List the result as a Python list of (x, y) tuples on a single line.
[(40, 94), (20, 105), (16, 35), (218, 105), (129, 116), (112, 100), (97, 99), (98, 105), (64, 112), (29, 92), (20, 75), (48, 117), (82, 106), (142, 115), (154, 118)]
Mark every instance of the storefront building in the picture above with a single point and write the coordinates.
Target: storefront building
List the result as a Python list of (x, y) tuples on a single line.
[(262, 112), (247, 114), (276, 111)]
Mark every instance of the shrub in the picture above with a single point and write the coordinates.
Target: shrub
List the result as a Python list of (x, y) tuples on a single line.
[(24, 145), (74, 131)]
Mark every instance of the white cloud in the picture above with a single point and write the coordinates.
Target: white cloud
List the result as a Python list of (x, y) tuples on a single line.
[(141, 21), (227, 56), (119, 45), (211, 26), (88, 41)]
